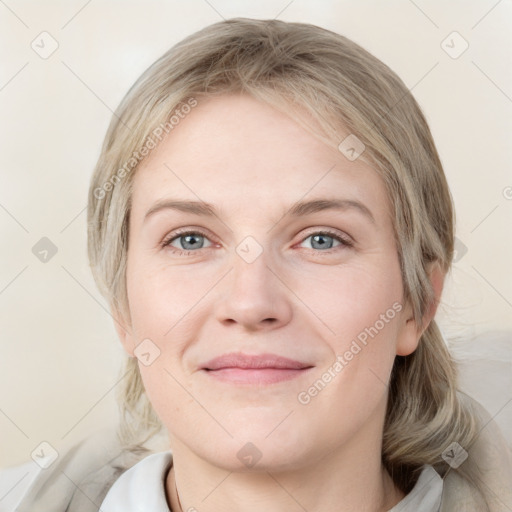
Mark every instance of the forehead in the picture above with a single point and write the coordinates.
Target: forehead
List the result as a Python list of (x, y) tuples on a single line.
[(236, 150)]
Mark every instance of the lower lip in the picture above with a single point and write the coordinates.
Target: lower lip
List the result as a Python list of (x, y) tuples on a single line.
[(256, 375)]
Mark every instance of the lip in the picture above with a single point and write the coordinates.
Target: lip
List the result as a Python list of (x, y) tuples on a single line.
[(254, 369)]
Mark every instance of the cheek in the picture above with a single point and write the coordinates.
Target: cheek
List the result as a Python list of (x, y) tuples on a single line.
[(353, 383), (164, 306), (162, 388), (354, 298), (161, 296), (363, 309)]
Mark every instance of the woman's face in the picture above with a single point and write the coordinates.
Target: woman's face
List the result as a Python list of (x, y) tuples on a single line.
[(253, 260)]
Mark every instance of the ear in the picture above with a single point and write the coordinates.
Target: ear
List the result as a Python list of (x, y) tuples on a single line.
[(410, 332), (124, 331)]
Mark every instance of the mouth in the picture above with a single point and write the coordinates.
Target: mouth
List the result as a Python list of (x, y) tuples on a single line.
[(260, 369)]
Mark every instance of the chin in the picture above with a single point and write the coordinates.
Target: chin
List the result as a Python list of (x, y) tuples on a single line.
[(256, 455), (265, 425), (264, 443)]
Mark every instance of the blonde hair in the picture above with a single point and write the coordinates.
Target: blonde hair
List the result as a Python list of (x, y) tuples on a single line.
[(305, 71)]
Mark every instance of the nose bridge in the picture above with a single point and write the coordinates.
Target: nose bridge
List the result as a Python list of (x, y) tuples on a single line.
[(251, 262), (254, 294), (252, 279)]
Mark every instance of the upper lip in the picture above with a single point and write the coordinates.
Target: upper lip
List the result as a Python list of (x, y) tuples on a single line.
[(246, 361)]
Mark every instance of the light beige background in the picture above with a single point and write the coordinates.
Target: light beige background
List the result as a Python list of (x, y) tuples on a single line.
[(59, 352)]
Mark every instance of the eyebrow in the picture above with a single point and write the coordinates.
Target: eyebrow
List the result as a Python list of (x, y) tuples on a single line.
[(297, 210)]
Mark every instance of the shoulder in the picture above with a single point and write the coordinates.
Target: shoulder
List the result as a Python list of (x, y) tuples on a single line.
[(483, 480), (14, 483), (425, 495), (79, 478), (460, 495)]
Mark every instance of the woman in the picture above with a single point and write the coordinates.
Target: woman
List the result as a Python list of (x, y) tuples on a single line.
[(270, 223)]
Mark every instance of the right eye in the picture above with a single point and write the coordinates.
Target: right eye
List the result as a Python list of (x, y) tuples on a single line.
[(189, 240)]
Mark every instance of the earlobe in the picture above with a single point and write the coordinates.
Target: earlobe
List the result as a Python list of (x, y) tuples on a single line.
[(124, 332), (408, 336), (410, 333)]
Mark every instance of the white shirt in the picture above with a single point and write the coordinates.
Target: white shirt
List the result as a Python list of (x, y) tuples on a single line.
[(142, 489)]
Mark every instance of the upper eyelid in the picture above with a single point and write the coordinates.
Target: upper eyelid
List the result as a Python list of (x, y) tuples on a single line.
[(173, 236)]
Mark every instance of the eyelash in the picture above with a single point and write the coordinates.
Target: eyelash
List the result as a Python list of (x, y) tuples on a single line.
[(345, 241)]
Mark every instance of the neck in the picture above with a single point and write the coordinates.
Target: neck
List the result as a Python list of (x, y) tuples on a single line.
[(384, 498), (343, 480)]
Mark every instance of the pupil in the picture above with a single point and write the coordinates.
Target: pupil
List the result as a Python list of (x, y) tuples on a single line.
[(320, 240), (189, 239)]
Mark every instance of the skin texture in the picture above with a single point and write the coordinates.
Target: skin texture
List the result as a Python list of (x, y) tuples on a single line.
[(299, 298)]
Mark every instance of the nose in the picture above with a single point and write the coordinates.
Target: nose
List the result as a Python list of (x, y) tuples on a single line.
[(254, 296)]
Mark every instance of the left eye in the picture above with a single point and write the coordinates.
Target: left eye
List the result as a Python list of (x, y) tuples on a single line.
[(321, 240)]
